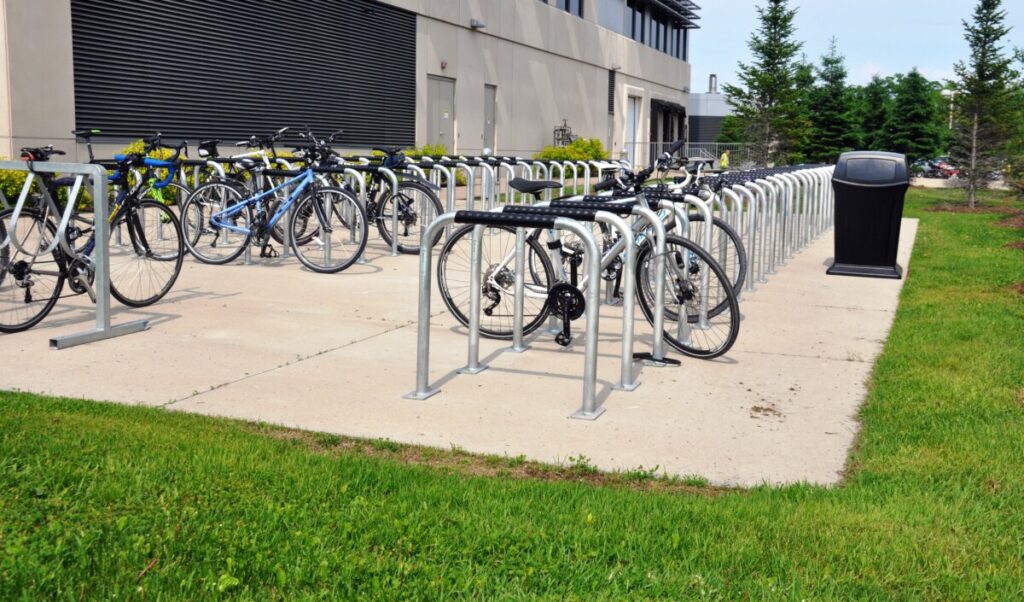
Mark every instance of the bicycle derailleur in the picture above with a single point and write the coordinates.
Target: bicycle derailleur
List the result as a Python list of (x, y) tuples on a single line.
[(494, 280)]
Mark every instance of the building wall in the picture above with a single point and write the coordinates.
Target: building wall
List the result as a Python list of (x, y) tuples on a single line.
[(707, 112), (37, 102), (547, 64)]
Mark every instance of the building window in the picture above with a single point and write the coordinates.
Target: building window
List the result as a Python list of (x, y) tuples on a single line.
[(574, 7), (656, 29)]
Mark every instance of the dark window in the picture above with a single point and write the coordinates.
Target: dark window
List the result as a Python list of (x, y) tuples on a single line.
[(571, 6), (216, 80)]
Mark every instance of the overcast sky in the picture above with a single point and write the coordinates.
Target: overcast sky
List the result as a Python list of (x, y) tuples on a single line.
[(876, 36)]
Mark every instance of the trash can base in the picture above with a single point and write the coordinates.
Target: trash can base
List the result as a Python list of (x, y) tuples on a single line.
[(894, 272)]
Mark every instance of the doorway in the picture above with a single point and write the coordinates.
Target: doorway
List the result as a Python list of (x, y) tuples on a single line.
[(441, 112)]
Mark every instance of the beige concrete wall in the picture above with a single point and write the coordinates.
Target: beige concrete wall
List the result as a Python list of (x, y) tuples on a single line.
[(547, 64), (5, 86), (37, 99)]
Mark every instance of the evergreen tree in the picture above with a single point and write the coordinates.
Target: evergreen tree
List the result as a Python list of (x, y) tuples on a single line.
[(913, 125), (800, 124), (874, 114), (985, 98), (764, 101), (833, 123)]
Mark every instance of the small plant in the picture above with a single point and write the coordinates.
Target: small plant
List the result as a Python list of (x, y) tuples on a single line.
[(695, 481), (327, 439), (641, 474), (581, 465), (516, 461), (385, 445)]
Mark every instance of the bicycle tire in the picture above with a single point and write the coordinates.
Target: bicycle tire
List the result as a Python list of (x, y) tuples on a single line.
[(734, 252), (13, 292), (155, 249), (725, 312), (195, 223), (407, 216), (453, 282), (311, 239)]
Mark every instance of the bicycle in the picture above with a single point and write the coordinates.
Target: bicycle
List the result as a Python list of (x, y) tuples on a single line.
[(38, 253), (696, 286), (220, 220)]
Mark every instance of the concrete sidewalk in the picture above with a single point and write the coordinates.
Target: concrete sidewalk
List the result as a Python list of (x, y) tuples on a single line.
[(277, 343)]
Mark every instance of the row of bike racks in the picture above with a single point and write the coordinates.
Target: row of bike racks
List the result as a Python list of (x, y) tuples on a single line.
[(97, 175), (780, 210), (776, 211)]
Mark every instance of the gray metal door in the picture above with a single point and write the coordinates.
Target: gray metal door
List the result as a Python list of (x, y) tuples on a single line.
[(490, 98), (441, 112)]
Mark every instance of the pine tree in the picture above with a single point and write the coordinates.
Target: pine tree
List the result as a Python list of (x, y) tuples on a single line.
[(764, 101), (985, 98), (874, 114), (913, 125), (800, 124), (833, 124)]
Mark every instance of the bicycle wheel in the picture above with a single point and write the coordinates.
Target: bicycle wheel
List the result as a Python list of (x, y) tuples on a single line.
[(417, 207), (685, 270), (498, 289), (211, 242), (29, 285), (726, 248), (335, 244), (144, 270)]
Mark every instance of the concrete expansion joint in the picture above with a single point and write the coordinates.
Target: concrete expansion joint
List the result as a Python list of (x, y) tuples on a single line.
[(298, 360)]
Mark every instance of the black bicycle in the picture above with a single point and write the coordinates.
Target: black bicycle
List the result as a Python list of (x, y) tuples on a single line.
[(37, 258)]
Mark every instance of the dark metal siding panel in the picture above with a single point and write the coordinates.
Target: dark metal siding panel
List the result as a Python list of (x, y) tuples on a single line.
[(704, 128), (196, 68)]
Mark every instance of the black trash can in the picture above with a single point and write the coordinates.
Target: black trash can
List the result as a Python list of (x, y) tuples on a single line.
[(869, 189)]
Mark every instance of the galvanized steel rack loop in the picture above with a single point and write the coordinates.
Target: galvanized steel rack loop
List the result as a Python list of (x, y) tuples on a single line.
[(589, 408), (101, 230)]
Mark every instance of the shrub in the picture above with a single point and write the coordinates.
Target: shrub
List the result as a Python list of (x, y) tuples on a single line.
[(581, 149)]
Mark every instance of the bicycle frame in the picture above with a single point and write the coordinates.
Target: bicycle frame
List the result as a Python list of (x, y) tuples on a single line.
[(301, 183)]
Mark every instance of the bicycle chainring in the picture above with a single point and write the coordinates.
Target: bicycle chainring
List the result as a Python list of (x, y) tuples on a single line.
[(567, 301)]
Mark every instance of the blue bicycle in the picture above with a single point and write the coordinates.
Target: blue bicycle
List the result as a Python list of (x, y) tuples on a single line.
[(326, 225)]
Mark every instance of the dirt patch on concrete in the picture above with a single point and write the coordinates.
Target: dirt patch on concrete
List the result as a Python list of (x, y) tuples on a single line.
[(458, 461)]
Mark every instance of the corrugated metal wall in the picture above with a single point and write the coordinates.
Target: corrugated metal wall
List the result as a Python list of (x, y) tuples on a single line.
[(233, 68)]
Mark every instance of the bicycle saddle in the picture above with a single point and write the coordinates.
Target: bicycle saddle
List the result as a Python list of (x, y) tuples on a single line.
[(84, 133), (532, 186), (208, 148)]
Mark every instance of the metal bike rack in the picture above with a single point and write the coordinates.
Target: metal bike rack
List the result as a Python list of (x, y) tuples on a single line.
[(101, 230), (652, 219), (589, 408), (627, 382)]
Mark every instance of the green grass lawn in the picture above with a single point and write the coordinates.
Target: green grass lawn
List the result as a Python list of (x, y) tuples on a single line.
[(99, 501)]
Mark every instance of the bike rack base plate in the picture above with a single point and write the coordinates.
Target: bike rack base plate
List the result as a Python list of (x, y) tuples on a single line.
[(582, 415), (468, 370), (421, 396), (91, 336)]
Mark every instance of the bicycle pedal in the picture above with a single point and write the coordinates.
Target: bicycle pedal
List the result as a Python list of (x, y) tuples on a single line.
[(268, 252)]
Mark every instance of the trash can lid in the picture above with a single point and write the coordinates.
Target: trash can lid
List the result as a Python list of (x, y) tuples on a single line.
[(871, 168)]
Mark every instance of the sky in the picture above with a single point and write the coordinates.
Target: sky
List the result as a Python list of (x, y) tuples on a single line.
[(875, 36)]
